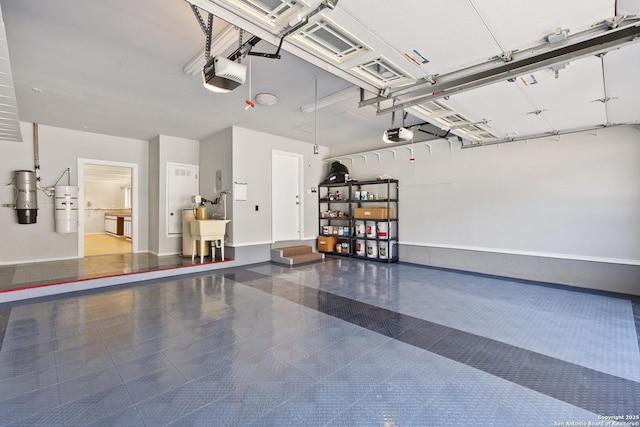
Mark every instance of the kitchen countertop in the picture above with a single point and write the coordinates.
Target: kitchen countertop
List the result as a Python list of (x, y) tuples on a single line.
[(118, 213)]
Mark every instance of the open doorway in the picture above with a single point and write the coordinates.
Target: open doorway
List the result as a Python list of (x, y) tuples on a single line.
[(107, 202)]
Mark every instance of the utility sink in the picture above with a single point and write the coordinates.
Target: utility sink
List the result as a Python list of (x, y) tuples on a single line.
[(205, 230), (209, 227)]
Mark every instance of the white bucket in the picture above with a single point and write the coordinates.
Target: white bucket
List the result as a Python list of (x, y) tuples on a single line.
[(360, 248), (383, 230), (371, 229), (387, 250), (360, 229), (372, 249)]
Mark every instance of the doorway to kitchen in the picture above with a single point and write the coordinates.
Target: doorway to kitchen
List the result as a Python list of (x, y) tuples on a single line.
[(108, 214)]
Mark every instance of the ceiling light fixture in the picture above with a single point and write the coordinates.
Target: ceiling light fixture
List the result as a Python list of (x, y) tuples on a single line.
[(266, 99), (328, 100), (227, 38)]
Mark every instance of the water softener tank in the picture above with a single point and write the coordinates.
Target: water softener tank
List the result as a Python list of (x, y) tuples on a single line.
[(66, 209), (26, 197)]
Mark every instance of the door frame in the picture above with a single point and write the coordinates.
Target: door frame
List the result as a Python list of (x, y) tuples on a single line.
[(134, 200), (300, 182)]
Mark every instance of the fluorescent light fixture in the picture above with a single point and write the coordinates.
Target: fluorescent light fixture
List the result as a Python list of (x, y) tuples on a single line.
[(224, 41), (334, 98)]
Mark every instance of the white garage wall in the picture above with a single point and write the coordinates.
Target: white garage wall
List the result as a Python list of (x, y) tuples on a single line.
[(571, 197), (216, 155), (59, 149), (164, 149), (252, 165)]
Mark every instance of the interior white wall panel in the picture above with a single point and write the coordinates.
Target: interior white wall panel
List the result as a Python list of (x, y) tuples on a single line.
[(621, 66), (174, 150), (59, 149), (570, 197), (216, 155), (153, 184), (252, 165)]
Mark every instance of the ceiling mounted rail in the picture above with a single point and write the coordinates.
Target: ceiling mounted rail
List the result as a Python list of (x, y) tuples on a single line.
[(466, 144), (424, 91), (426, 84)]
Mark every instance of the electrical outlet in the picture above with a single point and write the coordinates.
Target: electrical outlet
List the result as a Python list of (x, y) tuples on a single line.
[(256, 208)]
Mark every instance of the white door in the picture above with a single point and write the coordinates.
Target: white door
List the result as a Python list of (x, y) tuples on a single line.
[(182, 183), (286, 196)]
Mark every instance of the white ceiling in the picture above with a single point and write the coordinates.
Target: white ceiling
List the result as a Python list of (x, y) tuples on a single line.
[(107, 174), (115, 67)]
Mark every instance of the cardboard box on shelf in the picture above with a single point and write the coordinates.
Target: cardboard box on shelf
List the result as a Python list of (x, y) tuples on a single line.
[(327, 243), (373, 213)]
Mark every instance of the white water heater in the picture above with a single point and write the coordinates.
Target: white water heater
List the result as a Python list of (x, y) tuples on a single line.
[(26, 198), (66, 208)]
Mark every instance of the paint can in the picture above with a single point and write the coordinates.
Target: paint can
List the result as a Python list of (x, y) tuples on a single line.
[(383, 230), (371, 229), (360, 248), (360, 229), (372, 249), (387, 249)]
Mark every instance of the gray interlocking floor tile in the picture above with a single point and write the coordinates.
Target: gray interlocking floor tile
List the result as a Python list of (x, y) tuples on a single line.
[(96, 406), (83, 386), (153, 384), (170, 405), (26, 405), (276, 349)]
